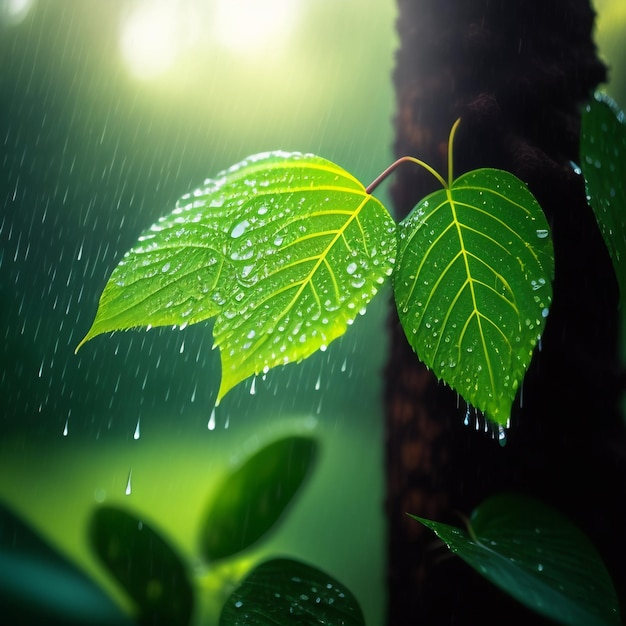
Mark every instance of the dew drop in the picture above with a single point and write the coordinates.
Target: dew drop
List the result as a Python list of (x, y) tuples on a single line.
[(239, 229), (542, 233), (351, 268)]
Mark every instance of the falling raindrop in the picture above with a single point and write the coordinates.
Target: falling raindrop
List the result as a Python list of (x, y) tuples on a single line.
[(318, 382), (65, 428), (137, 432), (128, 485), (211, 424), (253, 386)]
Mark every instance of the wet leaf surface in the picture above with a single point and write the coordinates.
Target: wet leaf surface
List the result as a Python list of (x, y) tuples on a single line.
[(284, 591), (251, 499), (603, 163), (536, 555), (285, 249), (473, 285)]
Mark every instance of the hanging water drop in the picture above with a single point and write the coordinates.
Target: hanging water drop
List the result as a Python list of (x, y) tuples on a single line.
[(501, 435)]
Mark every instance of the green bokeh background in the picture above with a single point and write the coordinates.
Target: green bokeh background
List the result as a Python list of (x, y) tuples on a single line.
[(90, 155)]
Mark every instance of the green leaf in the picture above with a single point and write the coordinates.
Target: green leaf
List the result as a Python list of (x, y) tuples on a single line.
[(40, 586), (284, 248), (250, 500), (538, 556), (473, 285), (310, 249), (177, 274), (603, 163), (284, 591), (145, 565)]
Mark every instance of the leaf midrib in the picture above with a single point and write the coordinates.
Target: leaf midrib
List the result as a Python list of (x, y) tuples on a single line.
[(470, 279), (308, 280)]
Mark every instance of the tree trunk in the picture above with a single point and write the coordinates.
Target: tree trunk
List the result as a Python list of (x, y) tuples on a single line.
[(517, 73)]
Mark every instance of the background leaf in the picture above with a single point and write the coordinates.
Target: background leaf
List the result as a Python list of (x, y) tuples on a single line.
[(250, 500), (284, 591), (310, 249), (39, 587), (473, 285), (603, 163), (538, 556), (145, 565)]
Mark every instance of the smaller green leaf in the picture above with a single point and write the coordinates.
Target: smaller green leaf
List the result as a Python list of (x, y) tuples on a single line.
[(148, 569), (473, 285), (284, 591), (603, 163), (40, 586), (538, 556), (251, 499), (177, 274)]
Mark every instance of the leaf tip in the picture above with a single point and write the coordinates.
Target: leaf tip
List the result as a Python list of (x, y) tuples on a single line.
[(82, 342)]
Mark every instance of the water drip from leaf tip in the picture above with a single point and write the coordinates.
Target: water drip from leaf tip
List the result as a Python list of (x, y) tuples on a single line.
[(501, 435)]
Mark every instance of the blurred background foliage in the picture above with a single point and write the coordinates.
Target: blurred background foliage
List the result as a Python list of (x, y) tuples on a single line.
[(110, 111)]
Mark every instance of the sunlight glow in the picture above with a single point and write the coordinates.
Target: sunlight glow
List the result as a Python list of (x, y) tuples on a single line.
[(12, 12), (150, 39), (247, 25)]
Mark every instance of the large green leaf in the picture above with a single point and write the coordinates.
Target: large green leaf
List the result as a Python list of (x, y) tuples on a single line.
[(250, 500), (284, 591), (538, 556), (603, 163), (284, 248), (143, 562), (310, 248), (473, 285)]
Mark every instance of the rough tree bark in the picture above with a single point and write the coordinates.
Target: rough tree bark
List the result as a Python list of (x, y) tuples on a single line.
[(516, 72)]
